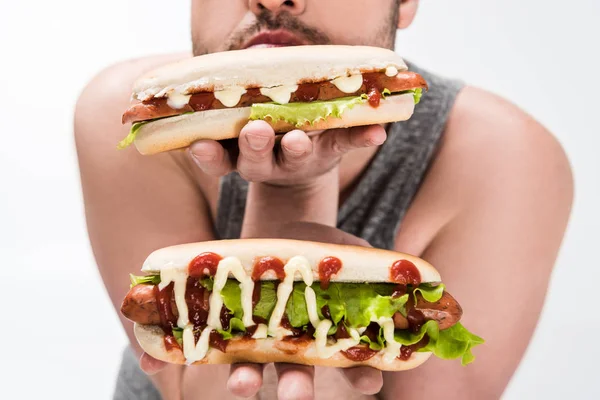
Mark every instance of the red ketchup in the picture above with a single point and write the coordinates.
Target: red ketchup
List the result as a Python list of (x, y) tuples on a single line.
[(308, 92), (204, 264), (202, 101), (165, 312), (196, 297), (405, 273), (406, 351), (359, 353), (327, 267), (373, 91), (268, 263), (216, 340)]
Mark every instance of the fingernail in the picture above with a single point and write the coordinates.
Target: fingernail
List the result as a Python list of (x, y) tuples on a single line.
[(203, 157), (257, 142)]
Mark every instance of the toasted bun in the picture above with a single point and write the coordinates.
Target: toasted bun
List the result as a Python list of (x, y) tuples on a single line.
[(265, 351), (181, 131), (359, 264), (264, 67)]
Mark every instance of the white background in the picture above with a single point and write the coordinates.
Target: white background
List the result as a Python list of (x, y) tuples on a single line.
[(58, 331)]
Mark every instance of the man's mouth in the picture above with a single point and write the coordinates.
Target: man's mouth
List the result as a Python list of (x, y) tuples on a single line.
[(278, 38)]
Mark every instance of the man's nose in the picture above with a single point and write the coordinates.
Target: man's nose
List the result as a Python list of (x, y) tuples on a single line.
[(293, 7)]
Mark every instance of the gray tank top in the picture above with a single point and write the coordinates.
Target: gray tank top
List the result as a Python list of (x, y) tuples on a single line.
[(373, 211), (379, 201)]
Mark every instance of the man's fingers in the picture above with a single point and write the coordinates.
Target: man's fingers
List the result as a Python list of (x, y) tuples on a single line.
[(296, 148), (151, 365), (245, 379), (256, 141), (211, 157), (337, 142), (295, 382), (364, 379)]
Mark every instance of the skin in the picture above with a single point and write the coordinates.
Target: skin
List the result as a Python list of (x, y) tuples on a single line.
[(490, 214)]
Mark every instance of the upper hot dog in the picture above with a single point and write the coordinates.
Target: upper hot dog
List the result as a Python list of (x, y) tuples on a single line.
[(305, 87)]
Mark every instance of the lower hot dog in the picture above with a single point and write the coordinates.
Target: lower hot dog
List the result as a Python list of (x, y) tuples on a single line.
[(275, 300)]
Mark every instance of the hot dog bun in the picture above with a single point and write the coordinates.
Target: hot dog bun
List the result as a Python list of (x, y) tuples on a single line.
[(265, 351), (264, 68), (359, 264), (181, 131)]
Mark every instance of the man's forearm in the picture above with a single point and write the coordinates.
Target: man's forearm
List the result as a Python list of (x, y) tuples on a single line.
[(268, 207)]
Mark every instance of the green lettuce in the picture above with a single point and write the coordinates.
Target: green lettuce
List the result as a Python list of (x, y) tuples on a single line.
[(147, 279), (178, 334), (130, 138), (299, 114), (454, 342), (430, 293)]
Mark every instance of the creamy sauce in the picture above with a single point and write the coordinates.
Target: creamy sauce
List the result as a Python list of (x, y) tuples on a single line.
[(177, 100), (195, 352), (348, 84), (392, 348), (233, 265), (326, 351), (230, 97), (295, 264), (261, 332), (279, 94), (391, 71)]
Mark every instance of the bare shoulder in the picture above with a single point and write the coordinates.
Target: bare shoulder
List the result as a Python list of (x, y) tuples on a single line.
[(492, 155), (491, 145)]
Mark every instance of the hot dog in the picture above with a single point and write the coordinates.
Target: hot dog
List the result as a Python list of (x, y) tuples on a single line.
[(277, 300), (305, 87)]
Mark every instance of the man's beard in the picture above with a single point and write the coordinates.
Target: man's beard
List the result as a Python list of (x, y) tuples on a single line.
[(266, 20)]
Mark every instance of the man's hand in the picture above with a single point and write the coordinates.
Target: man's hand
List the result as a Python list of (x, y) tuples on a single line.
[(298, 159), (294, 381)]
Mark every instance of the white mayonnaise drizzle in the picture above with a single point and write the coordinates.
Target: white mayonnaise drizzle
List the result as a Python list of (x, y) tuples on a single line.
[(325, 351), (261, 332), (227, 265), (348, 84), (279, 94), (295, 264), (391, 71), (177, 100), (178, 276), (392, 348), (230, 97), (194, 352)]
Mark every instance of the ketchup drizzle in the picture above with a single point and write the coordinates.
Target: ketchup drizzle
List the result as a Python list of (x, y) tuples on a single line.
[(404, 272), (327, 267), (265, 264), (204, 264)]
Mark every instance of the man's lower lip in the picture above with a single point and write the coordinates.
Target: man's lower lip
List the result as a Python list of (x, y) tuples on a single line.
[(269, 45)]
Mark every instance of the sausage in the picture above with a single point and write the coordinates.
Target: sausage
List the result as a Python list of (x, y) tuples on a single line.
[(446, 311), (158, 107), (140, 305)]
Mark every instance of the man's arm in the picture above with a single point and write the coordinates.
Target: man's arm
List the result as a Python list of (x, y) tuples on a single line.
[(503, 188), (133, 204)]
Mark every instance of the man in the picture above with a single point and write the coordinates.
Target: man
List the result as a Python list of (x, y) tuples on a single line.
[(470, 183)]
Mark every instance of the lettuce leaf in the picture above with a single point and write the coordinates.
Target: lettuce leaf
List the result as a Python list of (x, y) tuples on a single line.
[(178, 333), (430, 293), (130, 138), (299, 114), (235, 324), (268, 297), (454, 342), (147, 279)]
